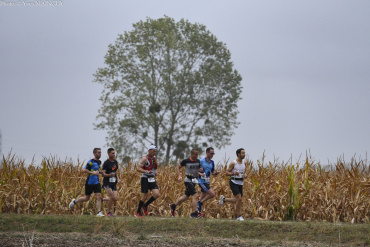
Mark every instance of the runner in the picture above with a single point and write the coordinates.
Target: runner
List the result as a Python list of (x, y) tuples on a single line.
[(92, 182), (192, 169), (147, 167), (208, 167), (236, 171), (109, 172)]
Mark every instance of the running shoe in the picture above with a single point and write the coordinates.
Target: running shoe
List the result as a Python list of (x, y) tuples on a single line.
[(138, 215), (145, 210), (194, 215), (222, 200), (240, 218), (199, 215), (199, 206), (72, 204), (100, 214), (110, 215), (172, 207)]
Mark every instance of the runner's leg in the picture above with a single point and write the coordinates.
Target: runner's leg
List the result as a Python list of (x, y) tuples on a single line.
[(112, 198), (202, 195), (115, 197), (208, 195), (155, 195), (194, 202), (98, 201), (238, 199), (181, 200), (83, 199), (143, 198), (233, 200)]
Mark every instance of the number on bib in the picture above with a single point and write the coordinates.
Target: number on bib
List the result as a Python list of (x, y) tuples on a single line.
[(112, 179)]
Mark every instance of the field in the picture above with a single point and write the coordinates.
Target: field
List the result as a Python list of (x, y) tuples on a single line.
[(273, 191), (284, 204), (86, 230)]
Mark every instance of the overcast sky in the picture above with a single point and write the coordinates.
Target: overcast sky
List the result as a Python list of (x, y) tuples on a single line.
[(305, 67)]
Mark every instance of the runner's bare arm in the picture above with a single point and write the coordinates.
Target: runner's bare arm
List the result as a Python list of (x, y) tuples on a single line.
[(200, 171), (90, 172), (140, 168), (230, 168), (103, 173), (245, 173), (117, 175), (215, 173), (179, 179), (156, 173)]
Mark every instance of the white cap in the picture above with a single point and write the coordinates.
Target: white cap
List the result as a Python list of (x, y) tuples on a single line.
[(152, 147)]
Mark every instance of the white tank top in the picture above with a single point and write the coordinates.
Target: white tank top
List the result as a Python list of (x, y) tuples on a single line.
[(239, 168)]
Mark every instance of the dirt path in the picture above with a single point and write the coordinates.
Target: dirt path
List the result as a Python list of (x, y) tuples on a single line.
[(103, 240)]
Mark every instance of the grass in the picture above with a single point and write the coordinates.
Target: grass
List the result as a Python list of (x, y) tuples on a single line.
[(178, 230)]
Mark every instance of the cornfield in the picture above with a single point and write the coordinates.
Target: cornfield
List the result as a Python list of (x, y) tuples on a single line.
[(273, 191)]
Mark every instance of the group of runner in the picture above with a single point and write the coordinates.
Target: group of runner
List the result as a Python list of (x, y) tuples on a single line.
[(92, 184), (197, 172)]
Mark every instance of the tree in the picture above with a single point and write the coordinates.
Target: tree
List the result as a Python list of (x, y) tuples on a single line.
[(169, 84)]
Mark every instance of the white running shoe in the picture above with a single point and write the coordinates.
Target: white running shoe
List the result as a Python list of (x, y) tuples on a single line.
[(72, 204), (100, 214), (222, 200), (240, 218)]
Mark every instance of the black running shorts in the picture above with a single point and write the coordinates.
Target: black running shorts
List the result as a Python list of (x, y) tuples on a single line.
[(110, 186), (146, 186), (190, 189), (90, 188), (236, 188)]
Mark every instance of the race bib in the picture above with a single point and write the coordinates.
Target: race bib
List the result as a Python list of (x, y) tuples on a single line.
[(205, 179), (112, 179), (151, 180), (240, 175), (194, 180)]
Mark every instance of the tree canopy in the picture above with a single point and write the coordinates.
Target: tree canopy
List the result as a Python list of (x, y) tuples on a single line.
[(167, 83)]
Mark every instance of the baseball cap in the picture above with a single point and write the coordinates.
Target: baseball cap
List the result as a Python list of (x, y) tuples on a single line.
[(152, 147)]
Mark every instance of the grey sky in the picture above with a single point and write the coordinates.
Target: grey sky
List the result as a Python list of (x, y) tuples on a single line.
[(305, 68)]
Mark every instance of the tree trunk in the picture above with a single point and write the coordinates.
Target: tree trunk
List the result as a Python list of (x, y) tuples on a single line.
[(168, 149), (156, 130), (169, 140)]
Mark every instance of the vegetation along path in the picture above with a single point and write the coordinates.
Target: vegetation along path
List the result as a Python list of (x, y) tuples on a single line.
[(84, 230)]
